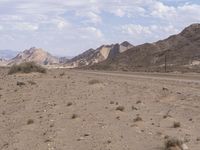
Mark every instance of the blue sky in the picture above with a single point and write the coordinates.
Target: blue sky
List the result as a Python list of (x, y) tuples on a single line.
[(68, 27)]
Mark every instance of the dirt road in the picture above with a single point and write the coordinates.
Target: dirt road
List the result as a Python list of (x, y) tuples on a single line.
[(79, 110)]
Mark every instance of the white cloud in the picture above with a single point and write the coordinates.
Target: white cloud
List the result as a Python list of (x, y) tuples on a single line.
[(25, 26), (91, 17), (89, 32), (162, 11), (135, 30), (139, 34), (90, 22), (139, 30)]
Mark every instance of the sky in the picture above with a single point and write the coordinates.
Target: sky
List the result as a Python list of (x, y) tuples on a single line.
[(69, 27)]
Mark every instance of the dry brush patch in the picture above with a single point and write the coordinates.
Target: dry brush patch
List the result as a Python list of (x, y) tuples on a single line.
[(174, 144), (26, 67), (94, 81)]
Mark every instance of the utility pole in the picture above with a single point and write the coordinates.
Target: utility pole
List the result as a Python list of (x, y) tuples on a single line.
[(165, 63)]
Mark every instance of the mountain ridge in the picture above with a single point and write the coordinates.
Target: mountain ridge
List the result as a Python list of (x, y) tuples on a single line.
[(181, 50), (176, 51)]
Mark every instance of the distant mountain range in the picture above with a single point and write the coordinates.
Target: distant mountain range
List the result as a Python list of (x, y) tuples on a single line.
[(8, 54), (177, 51)]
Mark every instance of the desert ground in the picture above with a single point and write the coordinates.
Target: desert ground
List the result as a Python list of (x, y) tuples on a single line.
[(87, 110)]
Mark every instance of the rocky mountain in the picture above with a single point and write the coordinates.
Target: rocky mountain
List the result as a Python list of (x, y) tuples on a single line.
[(177, 51), (7, 54), (94, 56), (3, 62), (36, 55), (63, 60)]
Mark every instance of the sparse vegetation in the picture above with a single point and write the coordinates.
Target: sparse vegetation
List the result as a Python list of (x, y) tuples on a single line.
[(177, 124), (112, 102), (30, 121), (69, 104), (20, 83), (26, 67), (74, 116), (173, 143), (137, 119), (94, 81), (120, 108), (139, 102), (31, 82), (62, 74), (134, 108)]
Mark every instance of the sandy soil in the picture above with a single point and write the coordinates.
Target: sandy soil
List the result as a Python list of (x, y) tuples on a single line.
[(76, 110)]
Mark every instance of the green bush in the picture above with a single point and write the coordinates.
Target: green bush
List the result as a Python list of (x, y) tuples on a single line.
[(26, 67)]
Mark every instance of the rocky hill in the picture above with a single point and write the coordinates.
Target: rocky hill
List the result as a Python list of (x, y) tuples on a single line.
[(36, 55), (177, 51), (94, 56)]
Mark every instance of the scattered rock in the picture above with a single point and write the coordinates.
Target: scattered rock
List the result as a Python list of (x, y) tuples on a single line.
[(20, 83), (198, 139), (86, 135), (31, 82), (74, 116), (112, 102), (139, 102), (69, 104), (165, 89), (134, 108)]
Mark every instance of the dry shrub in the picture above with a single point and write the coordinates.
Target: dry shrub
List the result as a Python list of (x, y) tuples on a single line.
[(173, 143), (177, 125), (94, 81), (120, 108), (30, 121), (137, 119), (74, 116), (26, 67)]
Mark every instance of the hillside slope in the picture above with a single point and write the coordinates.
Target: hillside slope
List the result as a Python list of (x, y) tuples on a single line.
[(94, 56), (179, 51)]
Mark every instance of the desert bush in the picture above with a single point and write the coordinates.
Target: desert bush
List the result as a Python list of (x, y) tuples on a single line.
[(173, 143), (137, 119), (26, 67), (177, 124), (30, 121), (94, 81), (20, 83), (69, 103), (74, 116), (120, 108)]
